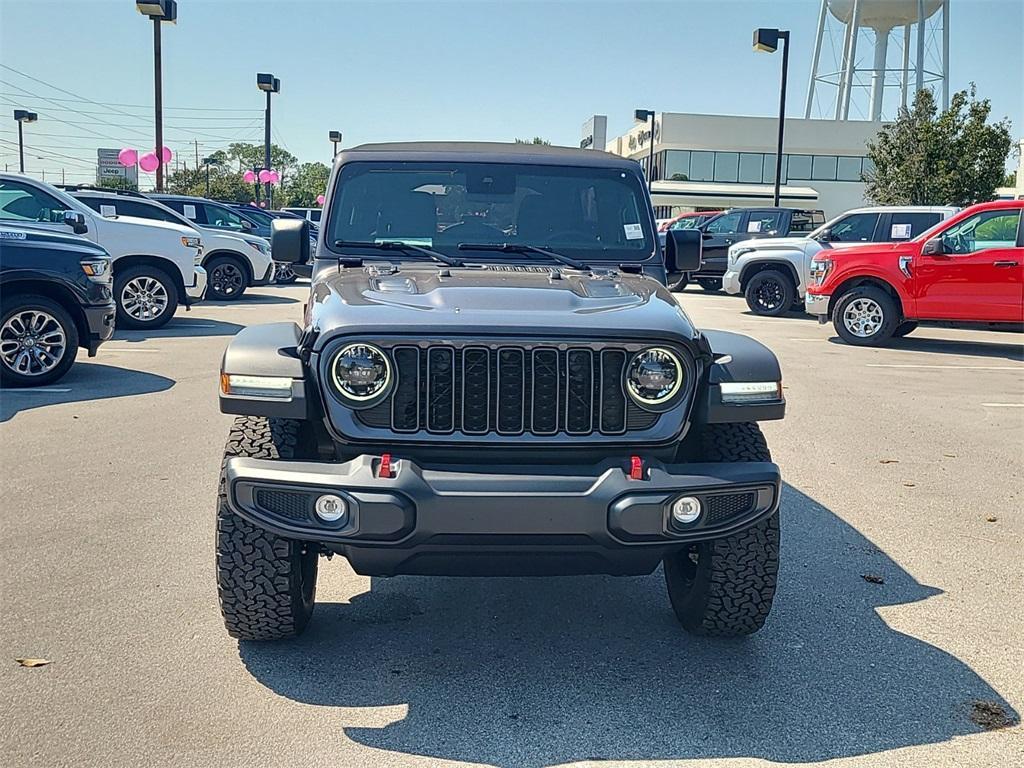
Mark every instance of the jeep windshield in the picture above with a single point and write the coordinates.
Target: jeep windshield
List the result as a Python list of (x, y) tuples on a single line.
[(583, 213)]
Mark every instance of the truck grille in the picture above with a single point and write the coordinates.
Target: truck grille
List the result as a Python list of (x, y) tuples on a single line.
[(508, 390)]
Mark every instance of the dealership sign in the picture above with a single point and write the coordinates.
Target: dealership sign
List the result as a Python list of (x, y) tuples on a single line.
[(595, 133), (108, 167)]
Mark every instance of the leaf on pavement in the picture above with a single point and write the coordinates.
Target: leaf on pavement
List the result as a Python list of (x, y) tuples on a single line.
[(33, 662), (872, 578), (888, 461)]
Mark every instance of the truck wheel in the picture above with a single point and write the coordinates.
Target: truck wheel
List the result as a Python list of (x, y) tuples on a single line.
[(146, 297), (725, 587), (770, 293), (266, 584), (865, 316), (710, 284), (284, 274), (38, 341), (677, 281), (904, 328), (227, 278)]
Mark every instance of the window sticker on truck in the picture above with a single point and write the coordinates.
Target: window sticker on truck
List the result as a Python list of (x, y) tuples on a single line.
[(900, 232)]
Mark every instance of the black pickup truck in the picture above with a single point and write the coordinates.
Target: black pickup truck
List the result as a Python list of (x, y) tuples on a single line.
[(56, 297), (738, 224)]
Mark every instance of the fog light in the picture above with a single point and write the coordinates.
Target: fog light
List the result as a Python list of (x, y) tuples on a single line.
[(331, 508), (685, 509)]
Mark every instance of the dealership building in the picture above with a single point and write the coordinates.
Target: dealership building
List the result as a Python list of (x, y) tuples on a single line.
[(709, 162)]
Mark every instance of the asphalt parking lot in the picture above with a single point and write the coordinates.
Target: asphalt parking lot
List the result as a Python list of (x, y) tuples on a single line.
[(902, 464)]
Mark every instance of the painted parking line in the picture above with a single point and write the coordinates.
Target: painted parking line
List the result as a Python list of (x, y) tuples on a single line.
[(949, 367), (34, 390), (1003, 405), (107, 348)]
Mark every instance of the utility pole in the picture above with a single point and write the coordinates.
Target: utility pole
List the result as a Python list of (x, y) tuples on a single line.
[(197, 154), (158, 11), (270, 84)]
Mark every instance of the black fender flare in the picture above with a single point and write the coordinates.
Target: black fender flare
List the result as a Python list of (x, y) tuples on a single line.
[(236, 255), (269, 350), (739, 358), (754, 266)]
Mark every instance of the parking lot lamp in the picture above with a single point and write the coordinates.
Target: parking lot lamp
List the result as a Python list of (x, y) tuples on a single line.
[(269, 84), (336, 140), (642, 116), (23, 116), (159, 11), (767, 40)]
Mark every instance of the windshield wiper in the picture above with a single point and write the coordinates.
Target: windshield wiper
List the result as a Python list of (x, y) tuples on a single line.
[(398, 245), (523, 248)]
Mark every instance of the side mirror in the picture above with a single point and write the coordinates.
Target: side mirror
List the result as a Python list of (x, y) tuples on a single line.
[(76, 220), (825, 236), (246, 225), (933, 247), (683, 250), (289, 241)]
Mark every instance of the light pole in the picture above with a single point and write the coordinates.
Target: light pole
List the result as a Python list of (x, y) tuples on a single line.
[(270, 84), (642, 116), (336, 140), (767, 40), (159, 11), (23, 116), (208, 161)]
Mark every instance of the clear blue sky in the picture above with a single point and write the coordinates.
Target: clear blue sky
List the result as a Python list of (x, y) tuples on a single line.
[(425, 70)]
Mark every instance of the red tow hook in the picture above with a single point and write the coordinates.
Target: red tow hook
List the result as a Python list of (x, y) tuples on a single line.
[(636, 468), (385, 467)]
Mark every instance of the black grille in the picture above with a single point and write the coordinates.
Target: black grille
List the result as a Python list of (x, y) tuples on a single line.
[(728, 505), (296, 506), (511, 389)]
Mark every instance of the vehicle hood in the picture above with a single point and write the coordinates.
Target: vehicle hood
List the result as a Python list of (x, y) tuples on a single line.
[(29, 238), (774, 243), (492, 299), (218, 237), (151, 224)]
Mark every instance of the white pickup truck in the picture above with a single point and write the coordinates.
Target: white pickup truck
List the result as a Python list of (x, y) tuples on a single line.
[(772, 273), (155, 264)]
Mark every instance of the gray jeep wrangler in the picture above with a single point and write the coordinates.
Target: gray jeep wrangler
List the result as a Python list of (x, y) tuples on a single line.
[(491, 378)]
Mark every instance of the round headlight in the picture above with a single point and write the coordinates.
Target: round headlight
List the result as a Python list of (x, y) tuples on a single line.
[(361, 372), (654, 376)]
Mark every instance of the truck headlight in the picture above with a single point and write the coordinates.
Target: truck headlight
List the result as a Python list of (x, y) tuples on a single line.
[(735, 253), (96, 269), (819, 270), (262, 246), (361, 372), (191, 242), (654, 376)]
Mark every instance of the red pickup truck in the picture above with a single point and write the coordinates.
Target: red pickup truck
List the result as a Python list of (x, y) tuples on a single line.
[(966, 269)]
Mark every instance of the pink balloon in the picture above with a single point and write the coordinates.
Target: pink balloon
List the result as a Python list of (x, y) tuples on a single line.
[(320, 199), (265, 176), (249, 177), (127, 157), (148, 162), (166, 155), (275, 177)]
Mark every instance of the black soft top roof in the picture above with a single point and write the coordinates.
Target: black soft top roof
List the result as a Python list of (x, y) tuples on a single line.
[(485, 152)]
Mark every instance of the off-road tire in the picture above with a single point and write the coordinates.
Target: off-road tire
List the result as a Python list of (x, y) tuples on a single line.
[(19, 303), (725, 587), (890, 312), (677, 281), (775, 284), (122, 278), (909, 326), (710, 284), (266, 584)]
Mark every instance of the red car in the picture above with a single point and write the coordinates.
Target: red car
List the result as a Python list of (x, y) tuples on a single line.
[(967, 269)]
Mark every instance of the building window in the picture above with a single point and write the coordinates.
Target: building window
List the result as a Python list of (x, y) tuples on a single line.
[(750, 167), (677, 165), (800, 167), (769, 168), (849, 168), (869, 166), (702, 166), (726, 166), (824, 168)]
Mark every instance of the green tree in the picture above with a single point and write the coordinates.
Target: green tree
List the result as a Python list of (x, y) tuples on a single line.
[(118, 182), (927, 157), (302, 188), (534, 140), (249, 156)]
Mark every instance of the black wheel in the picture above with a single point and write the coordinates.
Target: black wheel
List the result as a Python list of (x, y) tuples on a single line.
[(266, 584), (38, 341), (710, 284), (145, 297), (770, 293), (227, 278), (725, 587), (866, 316), (677, 281), (904, 328), (284, 274)]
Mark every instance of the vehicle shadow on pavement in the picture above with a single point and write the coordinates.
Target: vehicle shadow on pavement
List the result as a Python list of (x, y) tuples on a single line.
[(85, 381), (533, 672), (179, 327), (251, 298), (989, 349)]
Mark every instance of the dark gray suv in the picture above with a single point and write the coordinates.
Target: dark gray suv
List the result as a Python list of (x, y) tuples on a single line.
[(491, 378)]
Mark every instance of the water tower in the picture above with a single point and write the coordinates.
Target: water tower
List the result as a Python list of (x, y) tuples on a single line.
[(853, 74)]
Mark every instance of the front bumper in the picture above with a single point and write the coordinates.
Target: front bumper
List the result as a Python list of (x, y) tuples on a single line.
[(268, 276), (473, 520), (100, 322), (197, 290), (817, 304), (731, 282)]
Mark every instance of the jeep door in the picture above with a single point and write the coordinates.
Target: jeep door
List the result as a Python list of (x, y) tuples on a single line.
[(979, 274)]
